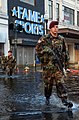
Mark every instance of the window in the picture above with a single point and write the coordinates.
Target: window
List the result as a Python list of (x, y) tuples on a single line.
[(68, 15), (3, 7), (0, 5), (78, 18), (50, 6), (57, 11), (32, 2)]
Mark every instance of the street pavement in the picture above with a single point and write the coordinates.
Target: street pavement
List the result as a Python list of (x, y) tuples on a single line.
[(22, 98)]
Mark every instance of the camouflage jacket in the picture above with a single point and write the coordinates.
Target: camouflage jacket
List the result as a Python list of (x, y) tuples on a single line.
[(44, 48), (3, 60), (10, 62)]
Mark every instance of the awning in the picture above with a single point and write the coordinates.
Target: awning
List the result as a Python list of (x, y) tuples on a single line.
[(72, 40), (25, 42), (70, 33)]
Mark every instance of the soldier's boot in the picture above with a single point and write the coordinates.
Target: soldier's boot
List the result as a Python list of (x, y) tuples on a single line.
[(46, 92), (61, 91), (68, 104)]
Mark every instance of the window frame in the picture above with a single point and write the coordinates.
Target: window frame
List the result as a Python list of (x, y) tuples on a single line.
[(0, 2), (77, 18), (57, 11), (50, 9), (71, 14), (30, 3)]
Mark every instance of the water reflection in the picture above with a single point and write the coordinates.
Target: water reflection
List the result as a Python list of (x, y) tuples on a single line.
[(23, 93), (9, 83), (48, 116), (70, 114), (65, 116)]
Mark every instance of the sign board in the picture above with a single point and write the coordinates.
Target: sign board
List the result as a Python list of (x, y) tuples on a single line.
[(31, 21)]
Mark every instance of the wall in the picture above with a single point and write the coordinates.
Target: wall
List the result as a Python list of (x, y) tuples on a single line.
[(4, 41)]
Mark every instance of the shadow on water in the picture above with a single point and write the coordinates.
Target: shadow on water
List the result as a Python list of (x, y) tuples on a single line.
[(61, 116)]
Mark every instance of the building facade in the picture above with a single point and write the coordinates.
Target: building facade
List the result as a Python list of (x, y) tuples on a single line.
[(67, 13), (4, 41), (26, 25)]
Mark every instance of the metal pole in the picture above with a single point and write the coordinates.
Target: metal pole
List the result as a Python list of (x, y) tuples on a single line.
[(46, 27), (15, 44), (35, 61)]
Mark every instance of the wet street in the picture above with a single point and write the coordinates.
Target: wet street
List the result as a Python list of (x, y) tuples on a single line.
[(22, 98)]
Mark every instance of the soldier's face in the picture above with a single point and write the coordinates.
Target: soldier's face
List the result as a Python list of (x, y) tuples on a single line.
[(54, 30), (9, 54)]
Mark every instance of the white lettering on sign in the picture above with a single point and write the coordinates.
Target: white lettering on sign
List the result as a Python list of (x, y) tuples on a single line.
[(31, 21)]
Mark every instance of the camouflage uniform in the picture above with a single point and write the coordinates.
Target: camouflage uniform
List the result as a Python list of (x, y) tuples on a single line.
[(10, 63), (51, 70), (3, 62)]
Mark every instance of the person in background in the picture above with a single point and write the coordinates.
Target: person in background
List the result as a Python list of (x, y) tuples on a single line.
[(3, 61), (26, 68), (10, 63), (51, 50)]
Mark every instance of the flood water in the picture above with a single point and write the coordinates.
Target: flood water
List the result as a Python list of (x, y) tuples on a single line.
[(22, 98)]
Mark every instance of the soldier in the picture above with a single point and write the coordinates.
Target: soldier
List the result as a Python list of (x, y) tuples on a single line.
[(10, 63), (52, 52), (3, 61)]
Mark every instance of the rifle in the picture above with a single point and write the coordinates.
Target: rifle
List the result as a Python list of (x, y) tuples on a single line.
[(54, 52), (59, 63)]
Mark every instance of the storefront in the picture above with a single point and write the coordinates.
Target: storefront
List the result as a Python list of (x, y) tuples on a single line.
[(30, 18), (72, 38)]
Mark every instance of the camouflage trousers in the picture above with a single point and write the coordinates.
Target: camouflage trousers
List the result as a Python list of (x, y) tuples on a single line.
[(52, 76), (9, 71)]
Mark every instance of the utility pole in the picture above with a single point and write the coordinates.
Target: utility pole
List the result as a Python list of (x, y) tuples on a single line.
[(16, 28), (15, 42)]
